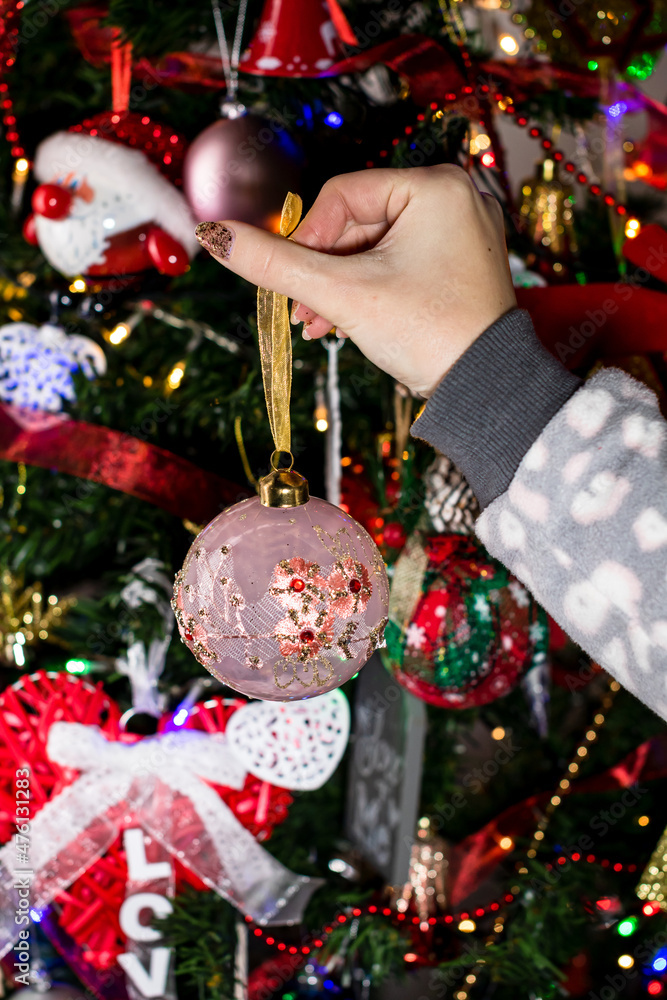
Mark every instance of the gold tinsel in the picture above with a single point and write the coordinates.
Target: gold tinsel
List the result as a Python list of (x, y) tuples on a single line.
[(26, 618), (568, 36), (426, 890), (547, 208), (653, 883)]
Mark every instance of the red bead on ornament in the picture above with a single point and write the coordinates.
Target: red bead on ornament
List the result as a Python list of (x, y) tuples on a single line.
[(297, 584), (307, 635), (355, 586)]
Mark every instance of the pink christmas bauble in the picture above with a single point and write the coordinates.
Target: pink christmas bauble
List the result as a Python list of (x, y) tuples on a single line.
[(282, 603), (240, 168)]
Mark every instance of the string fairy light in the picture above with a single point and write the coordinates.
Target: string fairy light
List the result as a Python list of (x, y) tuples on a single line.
[(562, 790)]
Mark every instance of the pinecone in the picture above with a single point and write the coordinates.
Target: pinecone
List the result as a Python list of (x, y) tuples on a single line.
[(450, 502)]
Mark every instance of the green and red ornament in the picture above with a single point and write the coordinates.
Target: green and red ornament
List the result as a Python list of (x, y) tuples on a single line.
[(462, 630)]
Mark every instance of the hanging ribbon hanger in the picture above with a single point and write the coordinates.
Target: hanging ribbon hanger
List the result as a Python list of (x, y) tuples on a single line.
[(282, 487), (121, 73)]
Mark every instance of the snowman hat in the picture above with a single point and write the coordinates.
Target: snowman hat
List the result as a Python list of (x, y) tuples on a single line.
[(125, 151)]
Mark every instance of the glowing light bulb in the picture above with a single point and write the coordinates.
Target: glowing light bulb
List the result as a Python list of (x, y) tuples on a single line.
[(78, 285), (175, 376), (632, 228), (21, 166), (467, 926), (180, 717), (506, 843), (120, 332), (78, 666), (321, 418), (626, 961), (508, 44)]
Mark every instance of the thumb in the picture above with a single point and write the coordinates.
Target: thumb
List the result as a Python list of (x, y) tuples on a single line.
[(270, 261)]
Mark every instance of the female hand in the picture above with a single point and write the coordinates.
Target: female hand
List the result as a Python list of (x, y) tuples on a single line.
[(410, 264)]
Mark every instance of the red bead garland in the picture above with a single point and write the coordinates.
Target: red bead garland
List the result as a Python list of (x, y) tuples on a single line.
[(444, 920), (9, 40), (506, 105)]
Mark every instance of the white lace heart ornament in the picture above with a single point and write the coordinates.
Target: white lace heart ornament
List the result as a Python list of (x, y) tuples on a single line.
[(295, 745)]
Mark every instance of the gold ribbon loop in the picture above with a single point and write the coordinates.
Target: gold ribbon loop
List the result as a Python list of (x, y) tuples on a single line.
[(275, 342)]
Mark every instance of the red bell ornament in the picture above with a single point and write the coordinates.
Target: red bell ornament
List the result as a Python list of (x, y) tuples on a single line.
[(299, 38)]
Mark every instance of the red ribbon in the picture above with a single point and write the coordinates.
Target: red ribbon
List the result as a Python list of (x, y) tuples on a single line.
[(120, 461), (609, 321), (121, 73)]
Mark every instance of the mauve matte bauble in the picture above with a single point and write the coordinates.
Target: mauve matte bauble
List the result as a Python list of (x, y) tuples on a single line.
[(240, 168)]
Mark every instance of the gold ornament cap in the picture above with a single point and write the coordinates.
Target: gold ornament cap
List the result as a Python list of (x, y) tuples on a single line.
[(283, 487)]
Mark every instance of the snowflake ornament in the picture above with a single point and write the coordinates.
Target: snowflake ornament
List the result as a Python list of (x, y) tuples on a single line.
[(482, 607), (415, 635), (36, 365), (537, 632), (519, 593)]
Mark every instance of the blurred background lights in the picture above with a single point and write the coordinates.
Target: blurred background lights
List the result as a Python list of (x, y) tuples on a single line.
[(508, 44), (627, 926)]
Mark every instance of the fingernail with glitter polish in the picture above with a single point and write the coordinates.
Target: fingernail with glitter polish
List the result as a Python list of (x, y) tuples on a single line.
[(293, 320), (305, 334), (216, 238)]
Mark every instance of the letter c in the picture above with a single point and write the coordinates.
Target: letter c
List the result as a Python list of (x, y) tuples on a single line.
[(128, 918)]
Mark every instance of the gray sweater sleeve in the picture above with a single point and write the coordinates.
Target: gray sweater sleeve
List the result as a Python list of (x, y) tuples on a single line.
[(582, 521), (489, 408)]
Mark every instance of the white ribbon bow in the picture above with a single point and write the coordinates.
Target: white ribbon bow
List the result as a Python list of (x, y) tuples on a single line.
[(160, 781)]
